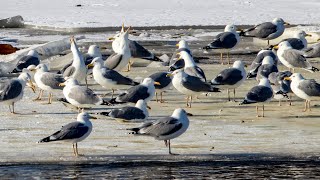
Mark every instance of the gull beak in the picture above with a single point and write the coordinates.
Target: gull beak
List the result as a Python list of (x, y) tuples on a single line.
[(189, 114), (62, 84), (285, 23), (276, 47), (157, 83), (177, 45), (32, 86), (90, 66), (169, 75), (308, 35), (111, 39), (287, 78), (33, 70)]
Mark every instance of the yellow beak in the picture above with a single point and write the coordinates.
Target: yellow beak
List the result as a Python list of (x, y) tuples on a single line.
[(169, 75), (287, 78), (111, 39), (285, 23), (276, 47), (62, 84), (177, 45), (157, 83), (90, 65)]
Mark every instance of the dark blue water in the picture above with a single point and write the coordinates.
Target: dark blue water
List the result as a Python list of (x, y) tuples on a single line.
[(167, 170)]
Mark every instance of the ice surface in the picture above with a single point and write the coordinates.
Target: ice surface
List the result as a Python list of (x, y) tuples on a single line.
[(100, 13)]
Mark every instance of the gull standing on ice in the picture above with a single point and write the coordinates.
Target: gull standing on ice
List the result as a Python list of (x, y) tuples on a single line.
[(32, 58), (139, 112), (256, 63), (122, 55), (47, 81), (293, 58), (145, 91), (165, 83), (190, 85), (259, 94), (73, 132), (78, 69), (166, 128), (225, 41), (79, 96), (307, 89), (108, 78), (266, 30), (230, 78), (298, 41), (11, 91)]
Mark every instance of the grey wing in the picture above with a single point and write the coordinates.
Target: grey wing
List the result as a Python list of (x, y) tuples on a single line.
[(196, 84), (310, 87), (127, 113), (52, 80), (25, 61), (83, 95), (313, 51), (196, 71), (162, 127), (262, 30), (295, 58), (259, 94), (162, 78), (228, 77), (265, 70), (69, 71), (295, 43), (72, 130), (10, 89), (117, 77), (134, 94), (113, 61), (138, 51), (224, 40)]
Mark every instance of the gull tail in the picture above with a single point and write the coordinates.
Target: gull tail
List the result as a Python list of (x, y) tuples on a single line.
[(104, 113), (245, 102), (47, 139), (107, 103), (214, 89), (206, 47), (133, 130), (283, 94), (314, 69), (250, 75), (113, 101)]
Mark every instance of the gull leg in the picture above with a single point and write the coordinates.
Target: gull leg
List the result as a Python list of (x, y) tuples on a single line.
[(305, 106), (156, 97), (161, 100), (50, 98), (268, 42), (228, 94), (228, 58), (263, 110), (290, 101), (10, 108), (166, 143), (279, 102), (309, 105), (39, 96), (187, 101), (190, 107), (170, 149), (234, 95), (86, 81), (112, 93), (257, 111), (13, 108), (74, 151), (221, 58)]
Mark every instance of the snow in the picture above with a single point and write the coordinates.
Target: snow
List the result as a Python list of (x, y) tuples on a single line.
[(100, 13)]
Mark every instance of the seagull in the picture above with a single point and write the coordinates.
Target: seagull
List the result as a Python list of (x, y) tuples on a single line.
[(165, 128), (73, 132), (298, 41), (32, 58), (226, 40), (120, 58), (79, 96), (266, 68), (78, 69), (190, 85), (11, 91), (139, 112), (108, 78), (280, 86), (266, 30), (293, 58), (307, 89), (145, 91), (313, 51), (191, 67), (136, 49), (230, 78), (47, 81), (165, 83), (259, 94), (256, 63)]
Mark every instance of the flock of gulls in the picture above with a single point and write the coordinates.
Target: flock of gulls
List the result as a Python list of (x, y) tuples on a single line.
[(183, 74)]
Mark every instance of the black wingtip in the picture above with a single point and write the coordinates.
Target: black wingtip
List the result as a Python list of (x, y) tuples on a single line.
[(15, 71), (104, 113), (133, 130), (249, 75), (244, 102), (108, 103), (206, 47), (283, 94), (214, 89), (47, 139), (135, 83), (314, 69)]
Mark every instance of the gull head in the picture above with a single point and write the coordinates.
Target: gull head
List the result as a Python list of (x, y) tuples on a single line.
[(141, 104), (95, 62), (279, 21), (284, 45), (84, 116), (26, 78), (149, 82), (182, 44), (94, 51), (267, 60), (69, 82), (301, 34), (33, 53), (295, 77), (42, 68), (264, 82), (230, 28), (238, 64)]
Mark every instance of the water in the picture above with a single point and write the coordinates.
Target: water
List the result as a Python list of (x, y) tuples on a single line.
[(167, 170)]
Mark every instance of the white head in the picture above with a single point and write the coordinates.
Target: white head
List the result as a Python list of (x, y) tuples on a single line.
[(301, 34), (149, 82), (178, 73), (42, 68), (278, 21), (33, 53), (84, 117), (267, 60), (97, 61), (31, 67), (264, 82), (25, 76), (284, 45), (238, 64), (180, 114), (296, 77), (94, 51), (230, 28), (183, 44), (141, 104)]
